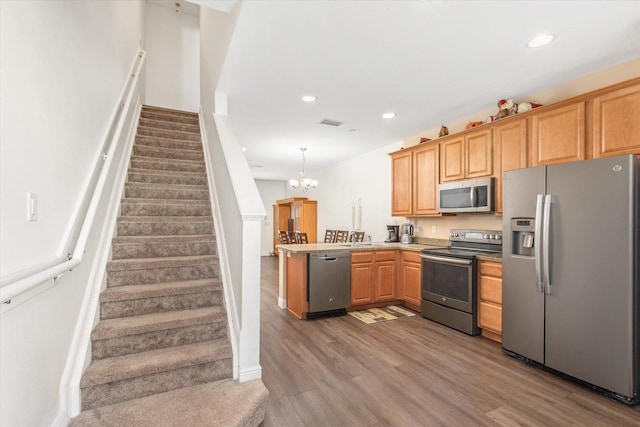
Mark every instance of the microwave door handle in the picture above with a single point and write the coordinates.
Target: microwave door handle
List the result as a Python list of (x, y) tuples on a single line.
[(472, 196), (537, 247), (546, 227)]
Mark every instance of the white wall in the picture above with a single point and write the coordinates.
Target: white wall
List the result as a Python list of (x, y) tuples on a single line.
[(270, 191), (173, 58), (63, 66)]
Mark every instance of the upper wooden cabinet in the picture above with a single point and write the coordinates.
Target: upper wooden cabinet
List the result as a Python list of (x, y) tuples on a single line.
[(414, 184), (426, 166), (401, 182), (616, 122), (510, 152), (557, 135), (468, 156)]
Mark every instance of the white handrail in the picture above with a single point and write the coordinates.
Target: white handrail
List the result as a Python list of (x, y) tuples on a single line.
[(21, 285)]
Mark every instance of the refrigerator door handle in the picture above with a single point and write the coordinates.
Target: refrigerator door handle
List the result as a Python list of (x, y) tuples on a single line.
[(537, 246), (472, 196), (545, 242)]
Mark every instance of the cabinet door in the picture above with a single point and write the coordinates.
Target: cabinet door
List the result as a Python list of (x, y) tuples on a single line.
[(410, 282), (452, 159), (479, 154), (426, 174), (401, 177), (510, 149), (557, 136), (362, 278), (385, 288), (616, 122)]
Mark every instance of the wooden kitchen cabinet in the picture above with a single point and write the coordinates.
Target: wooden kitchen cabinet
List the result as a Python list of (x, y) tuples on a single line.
[(558, 135), (295, 214), (373, 277), (401, 183), (426, 166), (467, 156), (510, 152), (490, 299), (409, 279), (615, 126), (297, 284)]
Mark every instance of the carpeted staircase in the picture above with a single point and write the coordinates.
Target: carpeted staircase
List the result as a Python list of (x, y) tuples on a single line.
[(160, 353)]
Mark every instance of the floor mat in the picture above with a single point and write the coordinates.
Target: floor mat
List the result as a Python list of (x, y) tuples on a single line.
[(374, 315)]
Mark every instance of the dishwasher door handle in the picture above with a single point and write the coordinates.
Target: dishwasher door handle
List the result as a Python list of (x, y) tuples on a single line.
[(327, 258)]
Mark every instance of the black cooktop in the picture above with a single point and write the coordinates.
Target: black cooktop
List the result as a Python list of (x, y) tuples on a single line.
[(456, 252)]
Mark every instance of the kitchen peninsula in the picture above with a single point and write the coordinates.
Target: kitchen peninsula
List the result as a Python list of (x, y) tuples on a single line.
[(381, 273)]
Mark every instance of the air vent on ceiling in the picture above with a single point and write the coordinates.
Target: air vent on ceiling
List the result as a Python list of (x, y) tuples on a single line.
[(330, 122)]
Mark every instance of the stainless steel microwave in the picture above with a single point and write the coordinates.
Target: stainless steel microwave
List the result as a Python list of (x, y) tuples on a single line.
[(472, 195)]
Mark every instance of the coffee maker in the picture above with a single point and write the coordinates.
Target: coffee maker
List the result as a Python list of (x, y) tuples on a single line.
[(393, 233)]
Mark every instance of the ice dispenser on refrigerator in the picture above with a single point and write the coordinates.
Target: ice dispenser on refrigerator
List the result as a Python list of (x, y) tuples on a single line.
[(523, 236)]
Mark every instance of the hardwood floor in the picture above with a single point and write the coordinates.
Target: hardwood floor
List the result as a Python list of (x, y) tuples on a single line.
[(338, 371)]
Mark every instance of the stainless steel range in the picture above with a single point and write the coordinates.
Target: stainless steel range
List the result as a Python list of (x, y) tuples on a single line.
[(450, 276)]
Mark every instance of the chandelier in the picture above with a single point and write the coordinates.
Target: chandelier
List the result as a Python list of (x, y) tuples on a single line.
[(303, 183)]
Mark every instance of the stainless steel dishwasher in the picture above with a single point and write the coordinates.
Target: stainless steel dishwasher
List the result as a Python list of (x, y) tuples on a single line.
[(329, 281)]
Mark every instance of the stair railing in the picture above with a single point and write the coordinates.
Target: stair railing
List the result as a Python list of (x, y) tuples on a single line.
[(18, 283)]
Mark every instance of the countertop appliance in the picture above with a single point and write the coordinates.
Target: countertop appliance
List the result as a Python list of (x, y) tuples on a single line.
[(571, 285), (450, 278), (406, 233), (329, 282), (471, 195), (393, 233)]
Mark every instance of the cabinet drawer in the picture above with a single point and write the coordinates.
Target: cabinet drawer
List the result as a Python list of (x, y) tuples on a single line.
[(490, 317), (411, 256), (488, 268), (491, 289), (385, 256), (358, 257)]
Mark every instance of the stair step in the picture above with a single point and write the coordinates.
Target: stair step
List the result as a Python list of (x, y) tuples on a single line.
[(167, 153), (137, 190), (117, 379), (164, 225), (159, 123), (146, 332), (172, 134), (155, 141), (179, 178), (144, 271), (150, 163), (223, 403), (150, 109), (158, 207), (136, 300), (162, 246)]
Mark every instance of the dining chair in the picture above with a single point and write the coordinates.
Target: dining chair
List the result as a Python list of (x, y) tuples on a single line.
[(284, 237), (301, 238), (330, 236), (291, 235), (357, 236), (342, 236)]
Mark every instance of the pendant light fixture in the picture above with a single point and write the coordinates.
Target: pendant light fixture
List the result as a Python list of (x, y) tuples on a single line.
[(303, 183)]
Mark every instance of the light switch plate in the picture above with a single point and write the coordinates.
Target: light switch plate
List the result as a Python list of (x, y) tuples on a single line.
[(32, 207)]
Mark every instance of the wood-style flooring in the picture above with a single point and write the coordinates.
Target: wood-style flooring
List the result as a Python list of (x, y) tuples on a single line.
[(339, 371)]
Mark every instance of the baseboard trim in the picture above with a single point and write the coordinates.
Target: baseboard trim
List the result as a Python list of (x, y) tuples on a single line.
[(282, 303), (250, 374)]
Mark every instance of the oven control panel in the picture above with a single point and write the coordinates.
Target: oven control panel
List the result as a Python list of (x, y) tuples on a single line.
[(479, 236)]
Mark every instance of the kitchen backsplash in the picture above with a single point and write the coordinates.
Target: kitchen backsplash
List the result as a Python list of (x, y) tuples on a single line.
[(445, 223)]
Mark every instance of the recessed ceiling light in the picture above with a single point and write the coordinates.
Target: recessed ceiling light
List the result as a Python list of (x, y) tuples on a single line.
[(388, 115), (244, 149), (541, 40), (309, 98)]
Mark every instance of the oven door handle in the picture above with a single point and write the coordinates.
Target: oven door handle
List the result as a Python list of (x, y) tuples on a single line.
[(447, 260)]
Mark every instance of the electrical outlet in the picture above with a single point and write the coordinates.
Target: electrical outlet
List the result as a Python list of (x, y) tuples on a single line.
[(434, 229)]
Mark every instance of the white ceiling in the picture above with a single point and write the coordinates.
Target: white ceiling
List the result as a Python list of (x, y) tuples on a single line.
[(430, 62)]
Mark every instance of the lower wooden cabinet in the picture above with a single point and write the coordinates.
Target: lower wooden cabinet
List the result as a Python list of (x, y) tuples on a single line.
[(490, 299), (373, 277), (409, 279)]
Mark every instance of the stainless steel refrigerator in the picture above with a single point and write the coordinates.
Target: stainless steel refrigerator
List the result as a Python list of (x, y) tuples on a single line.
[(571, 291)]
